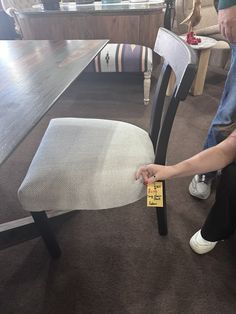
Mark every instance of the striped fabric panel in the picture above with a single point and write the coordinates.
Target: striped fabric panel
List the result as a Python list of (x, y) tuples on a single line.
[(106, 60), (122, 58)]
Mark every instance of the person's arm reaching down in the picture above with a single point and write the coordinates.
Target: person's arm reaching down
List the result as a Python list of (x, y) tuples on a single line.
[(211, 159)]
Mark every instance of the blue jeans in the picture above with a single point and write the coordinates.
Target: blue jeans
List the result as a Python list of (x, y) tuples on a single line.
[(226, 113)]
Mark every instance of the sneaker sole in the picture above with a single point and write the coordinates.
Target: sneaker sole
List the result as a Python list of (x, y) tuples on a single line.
[(198, 250), (193, 193)]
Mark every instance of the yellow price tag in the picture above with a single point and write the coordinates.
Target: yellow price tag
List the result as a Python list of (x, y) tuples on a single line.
[(155, 194)]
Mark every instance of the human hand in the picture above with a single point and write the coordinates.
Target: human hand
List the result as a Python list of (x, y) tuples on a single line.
[(227, 23), (151, 173)]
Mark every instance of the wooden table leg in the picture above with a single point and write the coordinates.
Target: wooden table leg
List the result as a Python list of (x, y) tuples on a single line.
[(198, 84)]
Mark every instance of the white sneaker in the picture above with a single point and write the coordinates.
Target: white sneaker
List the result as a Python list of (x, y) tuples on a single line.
[(199, 187), (200, 245)]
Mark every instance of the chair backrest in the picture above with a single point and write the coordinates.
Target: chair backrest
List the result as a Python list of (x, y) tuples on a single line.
[(184, 7), (182, 60)]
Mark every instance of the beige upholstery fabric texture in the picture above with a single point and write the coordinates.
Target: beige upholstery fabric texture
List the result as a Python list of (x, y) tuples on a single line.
[(86, 164)]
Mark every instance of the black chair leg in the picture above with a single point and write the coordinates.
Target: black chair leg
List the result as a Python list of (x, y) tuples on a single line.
[(162, 215), (42, 223), (162, 220)]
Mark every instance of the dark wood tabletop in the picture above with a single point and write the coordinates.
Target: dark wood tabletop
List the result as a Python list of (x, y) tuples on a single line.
[(33, 74)]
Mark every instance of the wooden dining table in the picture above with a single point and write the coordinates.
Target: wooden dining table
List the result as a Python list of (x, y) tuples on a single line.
[(33, 75)]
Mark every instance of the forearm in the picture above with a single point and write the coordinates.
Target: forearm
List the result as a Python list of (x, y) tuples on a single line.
[(212, 159)]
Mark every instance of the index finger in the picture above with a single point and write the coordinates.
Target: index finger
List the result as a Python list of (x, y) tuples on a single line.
[(142, 172)]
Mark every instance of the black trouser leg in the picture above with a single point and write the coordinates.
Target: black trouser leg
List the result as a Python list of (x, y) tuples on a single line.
[(221, 221)]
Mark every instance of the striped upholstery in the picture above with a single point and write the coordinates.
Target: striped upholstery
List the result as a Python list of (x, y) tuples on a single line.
[(122, 58)]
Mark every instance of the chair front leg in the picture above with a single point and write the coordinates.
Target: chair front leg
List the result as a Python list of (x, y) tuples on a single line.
[(162, 221), (42, 223), (162, 215)]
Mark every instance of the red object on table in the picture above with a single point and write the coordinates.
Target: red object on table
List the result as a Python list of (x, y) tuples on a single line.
[(191, 39)]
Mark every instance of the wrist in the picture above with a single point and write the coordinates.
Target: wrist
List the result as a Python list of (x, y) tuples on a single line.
[(172, 171)]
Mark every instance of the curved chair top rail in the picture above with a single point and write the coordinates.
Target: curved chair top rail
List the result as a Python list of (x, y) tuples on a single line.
[(177, 54)]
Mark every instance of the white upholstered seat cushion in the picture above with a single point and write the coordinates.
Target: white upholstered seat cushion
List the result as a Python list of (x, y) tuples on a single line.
[(86, 164)]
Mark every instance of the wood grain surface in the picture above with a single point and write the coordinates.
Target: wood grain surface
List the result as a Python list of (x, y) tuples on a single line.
[(134, 23), (33, 74)]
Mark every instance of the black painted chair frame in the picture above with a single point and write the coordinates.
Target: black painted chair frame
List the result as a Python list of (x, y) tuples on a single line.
[(182, 61)]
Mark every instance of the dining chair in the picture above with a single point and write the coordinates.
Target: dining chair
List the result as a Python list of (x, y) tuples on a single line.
[(90, 164)]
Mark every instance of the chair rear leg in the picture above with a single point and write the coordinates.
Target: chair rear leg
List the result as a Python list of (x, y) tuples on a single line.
[(42, 223)]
